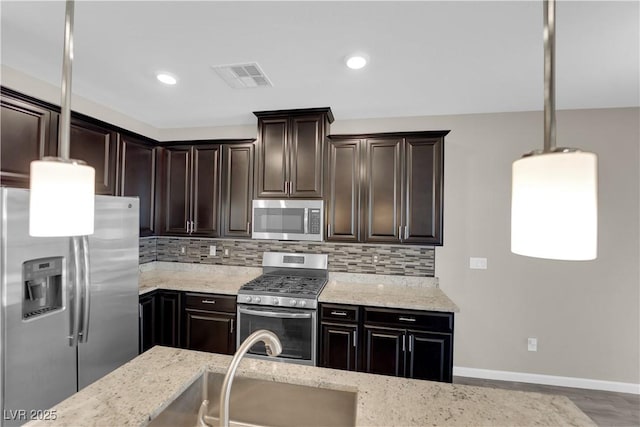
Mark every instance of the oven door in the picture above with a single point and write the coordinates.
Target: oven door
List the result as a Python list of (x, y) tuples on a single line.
[(296, 330)]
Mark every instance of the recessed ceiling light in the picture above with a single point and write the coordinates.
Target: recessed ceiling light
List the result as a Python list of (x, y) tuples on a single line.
[(166, 78), (355, 62)]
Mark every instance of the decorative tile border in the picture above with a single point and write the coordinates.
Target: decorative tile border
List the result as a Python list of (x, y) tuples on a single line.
[(402, 260)]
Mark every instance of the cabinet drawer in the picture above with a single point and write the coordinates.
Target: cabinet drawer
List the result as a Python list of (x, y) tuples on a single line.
[(211, 302), (339, 313), (429, 320)]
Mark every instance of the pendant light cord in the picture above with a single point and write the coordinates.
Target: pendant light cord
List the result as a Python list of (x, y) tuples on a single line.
[(549, 35), (65, 115)]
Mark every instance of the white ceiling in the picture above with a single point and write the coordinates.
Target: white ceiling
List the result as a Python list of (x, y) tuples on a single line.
[(427, 58)]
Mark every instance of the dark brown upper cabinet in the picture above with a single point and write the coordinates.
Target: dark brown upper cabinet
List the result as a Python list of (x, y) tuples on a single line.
[(191, 197), (28, 133), (291, 152), (137, 178), (237, 188), (96, 145), (343, 176), (385, 188)]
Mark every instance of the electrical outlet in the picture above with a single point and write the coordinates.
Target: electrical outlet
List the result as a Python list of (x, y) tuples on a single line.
[(374, 259), (532, 344), (212, 250), (182, 250), (226, 251), (477, 263)]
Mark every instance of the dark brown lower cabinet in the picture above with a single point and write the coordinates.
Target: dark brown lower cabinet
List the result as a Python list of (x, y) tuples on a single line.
[(407, 343), (401, 343), (168, 305), (159, 319), (210, 322), (146, 322)]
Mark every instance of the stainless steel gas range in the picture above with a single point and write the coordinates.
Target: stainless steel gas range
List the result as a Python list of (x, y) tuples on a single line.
[(284, 300)]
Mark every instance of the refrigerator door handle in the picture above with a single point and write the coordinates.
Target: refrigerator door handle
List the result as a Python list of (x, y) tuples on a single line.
[(86, 289), (75, 293)]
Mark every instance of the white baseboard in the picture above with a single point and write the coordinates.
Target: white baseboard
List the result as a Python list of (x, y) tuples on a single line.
[(523, 377)]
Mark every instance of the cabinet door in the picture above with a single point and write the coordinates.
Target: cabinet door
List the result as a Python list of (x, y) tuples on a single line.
[(430, 356), (177, 195), (206, 190), (273, 172), (305, 157), (237, 176), (210, 331), (96, 146), (168, 323), (339, 346), (423, 207), (147, 320), (383, 182), (384, 351), (26, 135), (343, 187), (137, 178)]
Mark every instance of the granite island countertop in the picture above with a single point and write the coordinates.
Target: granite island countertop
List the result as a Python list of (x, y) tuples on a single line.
[(136, 392), (403, 292)]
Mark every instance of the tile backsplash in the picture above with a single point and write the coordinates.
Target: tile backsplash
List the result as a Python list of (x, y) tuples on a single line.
[(406, 260)]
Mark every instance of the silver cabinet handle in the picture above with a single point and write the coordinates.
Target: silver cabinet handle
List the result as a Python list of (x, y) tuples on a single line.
[(208, 301), (328, 230), (338, 313), (231, 330), (193, 227), (400, 232), (406, 232), (355, 338), (403, 343), (186, 226), (407, 319), (248, 227), (410, 343)]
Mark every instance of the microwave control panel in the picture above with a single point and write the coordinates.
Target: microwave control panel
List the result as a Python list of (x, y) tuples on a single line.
[(314, 221)]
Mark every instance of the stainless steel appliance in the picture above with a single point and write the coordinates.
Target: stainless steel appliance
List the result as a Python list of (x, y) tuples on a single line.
[(284, 300), (43, 312), (288, 219)]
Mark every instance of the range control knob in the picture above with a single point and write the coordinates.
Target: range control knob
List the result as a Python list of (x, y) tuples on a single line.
[(303, 303), (293, 302), (276, 301), (247, 299), (257, 300)]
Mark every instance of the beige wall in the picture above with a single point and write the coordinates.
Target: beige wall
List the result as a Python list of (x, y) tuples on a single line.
[(586, 315)]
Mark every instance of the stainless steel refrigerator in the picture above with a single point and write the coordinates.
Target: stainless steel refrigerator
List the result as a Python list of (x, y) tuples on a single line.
[(41, 365)]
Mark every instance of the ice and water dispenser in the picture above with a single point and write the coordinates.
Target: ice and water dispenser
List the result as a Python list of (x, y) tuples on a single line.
[(42, 286)]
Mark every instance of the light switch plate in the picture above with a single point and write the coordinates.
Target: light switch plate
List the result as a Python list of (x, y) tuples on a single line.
[(212, 250), (477, 263), (532, 344)]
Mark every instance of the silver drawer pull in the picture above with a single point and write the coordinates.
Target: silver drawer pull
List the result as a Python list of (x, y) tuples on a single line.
[(338, 313), (208, 301), (407, 319)]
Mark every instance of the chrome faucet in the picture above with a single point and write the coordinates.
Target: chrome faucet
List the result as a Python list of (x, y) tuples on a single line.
[(273, 347)]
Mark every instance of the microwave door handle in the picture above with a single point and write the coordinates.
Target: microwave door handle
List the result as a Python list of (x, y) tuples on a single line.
[(306, 220), (75, 293), (86, 288), (275, 314)]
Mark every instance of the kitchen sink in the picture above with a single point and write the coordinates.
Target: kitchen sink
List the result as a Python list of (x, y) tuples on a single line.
[(256, 402)]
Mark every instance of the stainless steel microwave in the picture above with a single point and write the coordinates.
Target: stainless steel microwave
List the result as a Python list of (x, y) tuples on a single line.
[(288, 219)]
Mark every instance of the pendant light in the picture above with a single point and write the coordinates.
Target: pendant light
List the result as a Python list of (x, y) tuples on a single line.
[(554, 198), (62, 189)]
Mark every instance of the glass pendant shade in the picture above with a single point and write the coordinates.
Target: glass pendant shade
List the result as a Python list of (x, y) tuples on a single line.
[(61, 198), (554, 206)]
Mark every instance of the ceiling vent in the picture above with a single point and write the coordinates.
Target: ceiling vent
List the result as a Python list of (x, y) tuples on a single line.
[(240, 76)]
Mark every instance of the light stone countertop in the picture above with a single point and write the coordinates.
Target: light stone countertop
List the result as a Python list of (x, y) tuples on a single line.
[(219, 279), (139, 390), (415, 293)]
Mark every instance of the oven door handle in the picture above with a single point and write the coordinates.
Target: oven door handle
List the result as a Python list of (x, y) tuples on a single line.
[(277, 314)]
